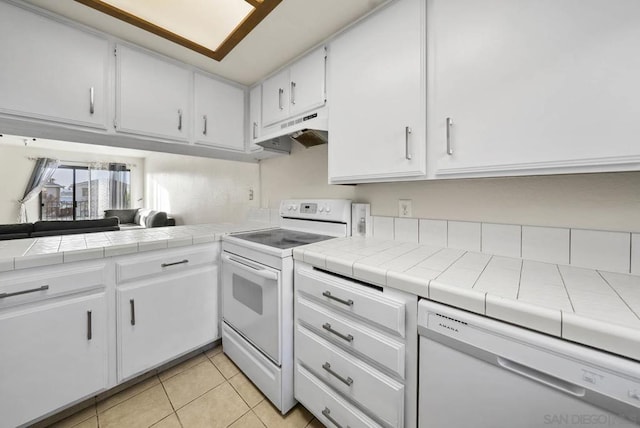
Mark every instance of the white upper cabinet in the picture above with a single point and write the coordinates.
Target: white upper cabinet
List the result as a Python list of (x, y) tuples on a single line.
[(219, 113), (533, 87), (295, 90), (153, 95), (255, 121), (51, 71), (377, 93)]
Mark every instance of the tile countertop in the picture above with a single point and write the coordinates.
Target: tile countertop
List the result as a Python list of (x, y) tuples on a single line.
[(587, 306), (34, 252)]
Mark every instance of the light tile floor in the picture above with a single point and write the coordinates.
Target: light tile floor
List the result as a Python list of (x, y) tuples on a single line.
[(207, 390)]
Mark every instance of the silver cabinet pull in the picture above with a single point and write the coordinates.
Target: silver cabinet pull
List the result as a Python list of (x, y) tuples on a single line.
[(327, 414), (293, 93), (204, 129), (449, 125), (91, 100), (348, 381), (179, 119), (132, 304), (407, 132), (347, 337), (89, 328), (255, 128), (337, 299), (280, 93), (17, 293), (181, 262)]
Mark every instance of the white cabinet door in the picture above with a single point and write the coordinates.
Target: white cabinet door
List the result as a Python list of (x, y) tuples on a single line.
[(152, 95), (255, 120), (219, 113), (162, 318), (377, 93), (534, 86), (51, 71), (307, 83), (275, 98), (51, 355)]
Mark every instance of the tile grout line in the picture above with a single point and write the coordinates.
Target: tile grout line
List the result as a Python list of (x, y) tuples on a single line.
[(618, 294)]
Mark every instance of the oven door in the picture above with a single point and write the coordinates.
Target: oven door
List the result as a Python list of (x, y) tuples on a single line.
[(251, 295)]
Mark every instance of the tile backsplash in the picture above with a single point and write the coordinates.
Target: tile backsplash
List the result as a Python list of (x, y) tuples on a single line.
[(595, 249)]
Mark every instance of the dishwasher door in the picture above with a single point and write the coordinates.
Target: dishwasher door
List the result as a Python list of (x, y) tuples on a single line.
[(478, 372)]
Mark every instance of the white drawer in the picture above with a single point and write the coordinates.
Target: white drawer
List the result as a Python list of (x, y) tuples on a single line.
[(374, 391), (165, 261), (327, 406), (353, 298), (35, 284), (352, 335)]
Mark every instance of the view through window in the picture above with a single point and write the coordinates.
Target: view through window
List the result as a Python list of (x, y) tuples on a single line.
[(83, 193)]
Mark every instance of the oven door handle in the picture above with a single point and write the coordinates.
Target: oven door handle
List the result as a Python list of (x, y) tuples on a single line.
[(253, 268)]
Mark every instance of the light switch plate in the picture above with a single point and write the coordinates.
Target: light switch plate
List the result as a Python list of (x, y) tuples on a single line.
[(404, 208)]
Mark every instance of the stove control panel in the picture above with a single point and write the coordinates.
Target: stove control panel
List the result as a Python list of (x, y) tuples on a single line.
[(334, 210), (309, 208)]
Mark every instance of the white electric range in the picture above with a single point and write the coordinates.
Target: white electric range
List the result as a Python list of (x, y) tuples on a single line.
[(257, 291)]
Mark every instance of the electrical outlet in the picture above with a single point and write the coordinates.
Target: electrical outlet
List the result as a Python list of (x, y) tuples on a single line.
[(251, 194), (404, 207)]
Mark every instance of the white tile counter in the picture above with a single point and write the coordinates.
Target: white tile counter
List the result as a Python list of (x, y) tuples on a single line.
[(34, 252), (596, 308)]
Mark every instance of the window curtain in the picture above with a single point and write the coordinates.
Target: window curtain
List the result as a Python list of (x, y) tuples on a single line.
[(110, 187), (118, 186), (42, 173)]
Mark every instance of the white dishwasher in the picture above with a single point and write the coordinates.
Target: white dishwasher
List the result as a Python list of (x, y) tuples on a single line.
[(478, 372)]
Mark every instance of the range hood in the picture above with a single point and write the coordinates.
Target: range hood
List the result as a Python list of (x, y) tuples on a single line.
[(309, 130)]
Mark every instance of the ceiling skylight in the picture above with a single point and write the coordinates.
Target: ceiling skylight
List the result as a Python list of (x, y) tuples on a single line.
[(210, 27)]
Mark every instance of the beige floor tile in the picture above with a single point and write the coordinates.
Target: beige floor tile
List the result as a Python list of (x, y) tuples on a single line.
[(128, 393), (76, 418), (214, 351), (217, 408), (247, 390), (249, 420), (298, 417), (170, 421), (143, 410), (315, 424), (89, 423), (192, 383), (172, 371), (225, 365)]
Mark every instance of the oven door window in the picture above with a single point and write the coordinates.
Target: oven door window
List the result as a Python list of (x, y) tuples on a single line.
[(247, 293)]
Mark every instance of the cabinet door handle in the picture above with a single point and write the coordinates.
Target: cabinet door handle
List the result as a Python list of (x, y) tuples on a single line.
[(449, 125), (89, 327), (337, 299), (181, 262), (293, 93), (133, 311), (347, 381), (91, 100), (255, 128), (204, 129), (327, 414), (280, 93), (179, 119), (347, 337), (407, 132), (17, 293)]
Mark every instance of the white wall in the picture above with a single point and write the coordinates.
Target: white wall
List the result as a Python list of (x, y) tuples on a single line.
[(596, 201), (16, 169), (200, 190)]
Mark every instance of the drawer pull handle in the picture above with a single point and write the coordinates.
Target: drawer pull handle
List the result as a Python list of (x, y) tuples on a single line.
[(181, 262), (327, 414), (348, 381), (17, 293), (337, 299), (347, 337), (89, 328), (133, 311)]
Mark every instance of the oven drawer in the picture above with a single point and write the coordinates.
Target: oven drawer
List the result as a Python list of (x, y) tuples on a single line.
[(327, 406), (154, 263), (352, 335), (353, 298), (373, 390)]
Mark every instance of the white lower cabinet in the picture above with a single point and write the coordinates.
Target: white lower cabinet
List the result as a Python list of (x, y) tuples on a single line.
[(53, 351)]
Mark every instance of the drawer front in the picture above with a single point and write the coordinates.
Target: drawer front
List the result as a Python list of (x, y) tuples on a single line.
[(36, 284), (165, 261), (374, 391), (327, 406), (353, 298), (352, 335)]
